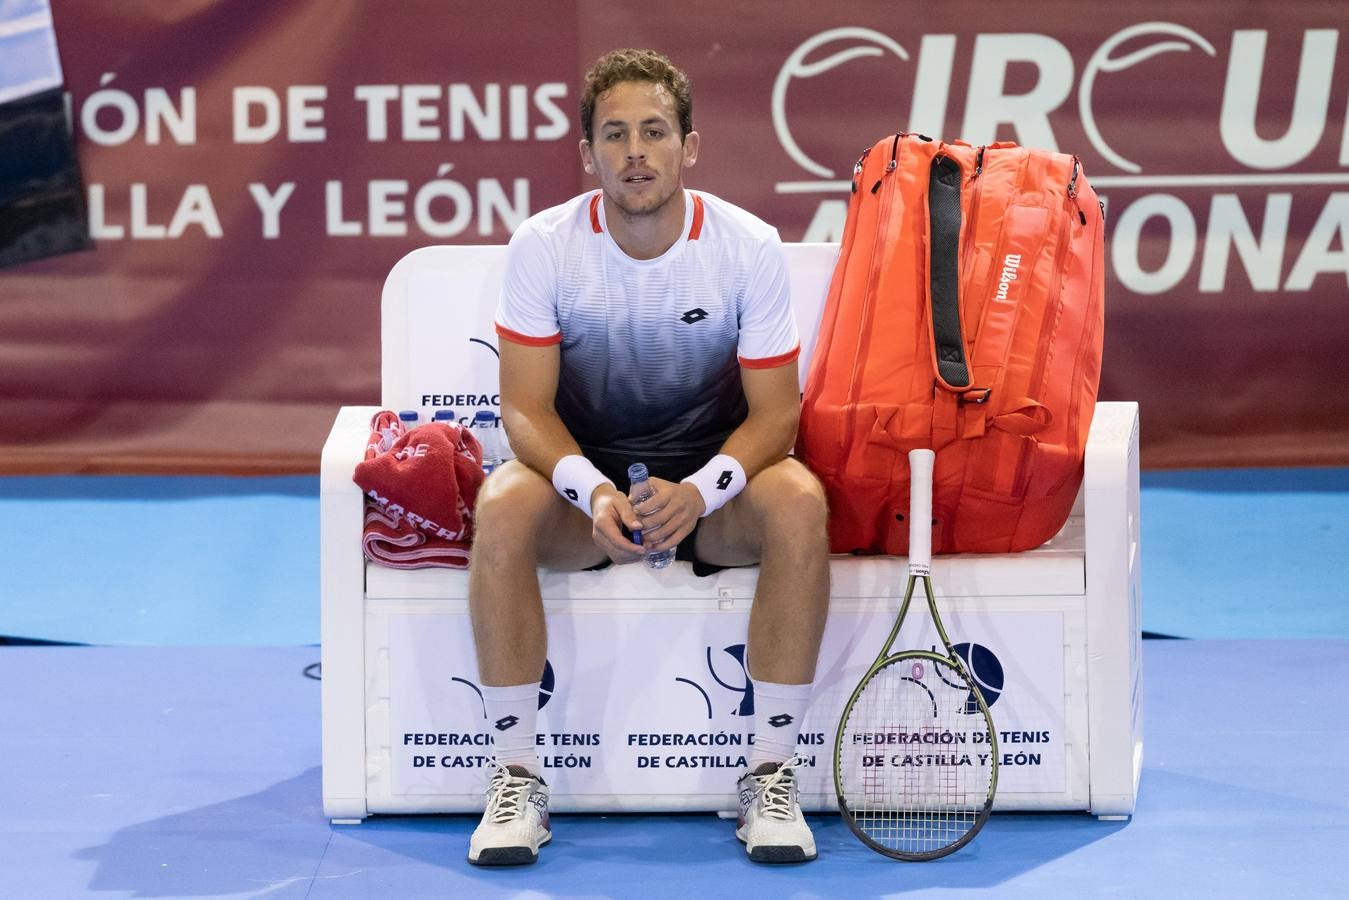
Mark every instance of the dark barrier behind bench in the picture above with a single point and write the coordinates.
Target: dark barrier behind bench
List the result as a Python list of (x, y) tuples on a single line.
[(253, 170)]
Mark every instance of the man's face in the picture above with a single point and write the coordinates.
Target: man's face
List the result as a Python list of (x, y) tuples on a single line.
[(637, 152)]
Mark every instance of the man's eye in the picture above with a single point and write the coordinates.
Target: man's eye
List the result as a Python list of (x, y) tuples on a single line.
[(654, 133), (613, 135)]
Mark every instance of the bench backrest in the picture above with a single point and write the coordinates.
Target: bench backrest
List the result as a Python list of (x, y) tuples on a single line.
[(439, 345)]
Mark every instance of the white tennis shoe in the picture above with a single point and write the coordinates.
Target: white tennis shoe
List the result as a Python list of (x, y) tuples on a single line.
[(771, 824), (515, 824)]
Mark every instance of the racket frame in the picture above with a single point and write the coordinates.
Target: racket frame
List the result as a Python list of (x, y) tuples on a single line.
[(920, 510)]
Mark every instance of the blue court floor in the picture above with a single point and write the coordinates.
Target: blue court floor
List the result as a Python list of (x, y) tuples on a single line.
[(180, 756), (189, 772)]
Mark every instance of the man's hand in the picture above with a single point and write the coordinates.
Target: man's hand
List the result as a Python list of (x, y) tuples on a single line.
[(669, 515), (610, 511)]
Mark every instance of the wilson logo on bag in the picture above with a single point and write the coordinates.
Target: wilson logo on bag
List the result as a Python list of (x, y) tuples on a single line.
[(965, 315)]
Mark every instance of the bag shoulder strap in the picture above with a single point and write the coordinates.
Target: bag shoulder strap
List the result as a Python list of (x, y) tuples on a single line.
[(943, 205)]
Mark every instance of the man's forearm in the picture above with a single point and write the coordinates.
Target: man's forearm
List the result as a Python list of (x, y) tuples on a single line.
[(538, 437), (763, 439)]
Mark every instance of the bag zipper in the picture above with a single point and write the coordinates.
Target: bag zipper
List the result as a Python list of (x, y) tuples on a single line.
[(857, 169), (973, 221), (894, 153), (873, 278), (841, 266), (1072, 189), (1075, 404), (1047, 326)]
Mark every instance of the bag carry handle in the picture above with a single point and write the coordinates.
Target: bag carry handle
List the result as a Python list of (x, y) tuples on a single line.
[(943, 210)]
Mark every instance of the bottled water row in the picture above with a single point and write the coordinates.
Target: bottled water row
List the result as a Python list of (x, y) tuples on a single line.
[(486, 428)]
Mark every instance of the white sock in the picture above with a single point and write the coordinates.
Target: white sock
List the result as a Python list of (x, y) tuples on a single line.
[(778, 709), (512, 721)]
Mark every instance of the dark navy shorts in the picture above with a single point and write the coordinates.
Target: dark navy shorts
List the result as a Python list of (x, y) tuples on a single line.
[(667, 466)]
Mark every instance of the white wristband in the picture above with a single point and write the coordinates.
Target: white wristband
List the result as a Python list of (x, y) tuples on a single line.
[(575, 478), (721, 479)]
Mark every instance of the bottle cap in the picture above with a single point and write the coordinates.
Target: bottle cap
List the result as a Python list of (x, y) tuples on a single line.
[(485, 417), (444, 415), (409, 415), (637, 472)]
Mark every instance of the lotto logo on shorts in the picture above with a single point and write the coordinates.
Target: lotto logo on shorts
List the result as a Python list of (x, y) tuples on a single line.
[(506, 722), (571, 494), (779, 720)]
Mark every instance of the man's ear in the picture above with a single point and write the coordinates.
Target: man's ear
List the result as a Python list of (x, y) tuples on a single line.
[(690, 149), (587, 157)]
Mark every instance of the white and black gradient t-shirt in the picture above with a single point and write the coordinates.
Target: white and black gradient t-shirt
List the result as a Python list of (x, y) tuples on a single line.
[(651, 349)]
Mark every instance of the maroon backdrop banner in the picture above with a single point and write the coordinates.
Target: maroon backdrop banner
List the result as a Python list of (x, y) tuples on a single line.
[(255, 169)]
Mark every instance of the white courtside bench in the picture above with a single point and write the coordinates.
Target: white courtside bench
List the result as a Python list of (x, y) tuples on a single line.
[(645, 700)]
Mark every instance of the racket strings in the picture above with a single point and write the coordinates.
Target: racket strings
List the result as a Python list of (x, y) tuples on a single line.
[(916, 767)]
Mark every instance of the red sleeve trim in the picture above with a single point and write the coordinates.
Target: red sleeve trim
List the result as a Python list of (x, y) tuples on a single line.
[(595, 213), (516, 337), (772, 362), (697, 227)]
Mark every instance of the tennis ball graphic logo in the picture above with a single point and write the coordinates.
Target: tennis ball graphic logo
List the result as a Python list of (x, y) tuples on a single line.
[(985, 670), (1102, 61), (546, 684), (736, 652), (854, 43)]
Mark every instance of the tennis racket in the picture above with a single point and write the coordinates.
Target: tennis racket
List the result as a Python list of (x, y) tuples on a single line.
[(916, 755)]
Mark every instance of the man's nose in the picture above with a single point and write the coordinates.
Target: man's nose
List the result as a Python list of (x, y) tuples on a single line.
[(635, 150)]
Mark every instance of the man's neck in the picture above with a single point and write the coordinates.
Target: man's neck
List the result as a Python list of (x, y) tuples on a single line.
[(650, 235)]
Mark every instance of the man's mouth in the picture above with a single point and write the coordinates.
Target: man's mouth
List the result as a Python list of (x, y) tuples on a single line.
[(638, 178)]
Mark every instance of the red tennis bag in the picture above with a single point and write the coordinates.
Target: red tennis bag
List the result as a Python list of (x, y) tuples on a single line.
[(965, 315)]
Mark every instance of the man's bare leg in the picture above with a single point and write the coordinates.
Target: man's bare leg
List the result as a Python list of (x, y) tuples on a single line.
[(778, 521), (520, 522)]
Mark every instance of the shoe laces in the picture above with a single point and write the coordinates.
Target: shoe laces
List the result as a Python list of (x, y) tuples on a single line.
[(778, 790), (506, 795)]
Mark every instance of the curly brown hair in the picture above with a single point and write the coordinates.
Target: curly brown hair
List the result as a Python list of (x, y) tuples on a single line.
[(635, 65)]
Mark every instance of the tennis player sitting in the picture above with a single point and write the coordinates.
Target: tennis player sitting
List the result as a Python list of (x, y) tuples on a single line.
[(644, 322)]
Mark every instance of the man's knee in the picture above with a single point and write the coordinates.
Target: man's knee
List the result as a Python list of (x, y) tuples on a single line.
[(514, 503), (521, 519), (792, 505)]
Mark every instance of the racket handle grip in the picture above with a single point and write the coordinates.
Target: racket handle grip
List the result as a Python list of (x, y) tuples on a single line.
[(920, 511)]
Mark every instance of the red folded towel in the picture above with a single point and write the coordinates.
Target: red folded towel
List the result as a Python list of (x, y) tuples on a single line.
[(420, 488), (393, 542)]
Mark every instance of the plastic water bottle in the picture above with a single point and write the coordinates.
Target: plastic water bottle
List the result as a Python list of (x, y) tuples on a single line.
[(486, 431), (641, 490), (410, 419), (444, 415)]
